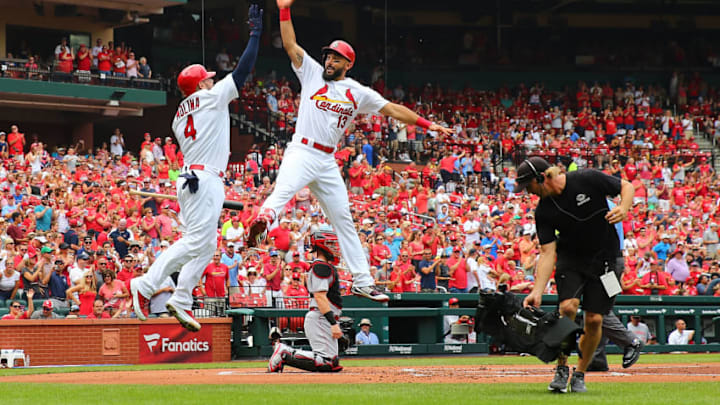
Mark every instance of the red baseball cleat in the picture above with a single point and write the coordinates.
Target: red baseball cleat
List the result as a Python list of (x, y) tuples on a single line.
[(141, 305)]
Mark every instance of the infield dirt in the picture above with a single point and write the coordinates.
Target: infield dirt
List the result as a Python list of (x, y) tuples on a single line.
[(486, 374)]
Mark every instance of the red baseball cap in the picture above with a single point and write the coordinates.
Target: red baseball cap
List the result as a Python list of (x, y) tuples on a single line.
[(452, 301)]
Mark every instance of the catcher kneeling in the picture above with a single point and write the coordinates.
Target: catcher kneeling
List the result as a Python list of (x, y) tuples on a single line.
[(321, 326)]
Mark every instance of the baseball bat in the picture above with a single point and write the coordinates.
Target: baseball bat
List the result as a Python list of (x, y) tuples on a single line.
[(233, 205)]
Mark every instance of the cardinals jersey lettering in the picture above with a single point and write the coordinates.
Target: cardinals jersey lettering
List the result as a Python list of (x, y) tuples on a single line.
[(328, 107), (202, 125)]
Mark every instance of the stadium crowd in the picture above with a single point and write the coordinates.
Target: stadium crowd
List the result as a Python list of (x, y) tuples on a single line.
[(74, 235), (104, 58)]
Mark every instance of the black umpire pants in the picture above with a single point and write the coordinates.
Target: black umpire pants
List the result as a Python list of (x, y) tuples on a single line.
[(613, 330)]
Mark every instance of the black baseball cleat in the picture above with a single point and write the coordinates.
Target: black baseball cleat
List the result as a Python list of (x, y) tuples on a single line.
[(632, 353), (371, 292)]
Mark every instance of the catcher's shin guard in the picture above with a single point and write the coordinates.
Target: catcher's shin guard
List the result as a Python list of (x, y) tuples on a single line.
[(310, 361)]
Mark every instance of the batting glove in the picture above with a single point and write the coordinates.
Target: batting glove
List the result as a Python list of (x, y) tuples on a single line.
[(255, 17)]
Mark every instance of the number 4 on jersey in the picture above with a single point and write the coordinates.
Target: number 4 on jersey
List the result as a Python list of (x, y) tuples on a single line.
[(190, 127)]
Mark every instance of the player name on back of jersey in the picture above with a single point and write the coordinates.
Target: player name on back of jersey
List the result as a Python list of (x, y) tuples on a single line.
[(188, 106)]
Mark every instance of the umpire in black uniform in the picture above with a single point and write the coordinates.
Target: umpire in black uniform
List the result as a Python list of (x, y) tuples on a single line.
[(575, 226)]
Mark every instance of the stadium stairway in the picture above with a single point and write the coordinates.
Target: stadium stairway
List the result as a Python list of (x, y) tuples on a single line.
[(706, 144)]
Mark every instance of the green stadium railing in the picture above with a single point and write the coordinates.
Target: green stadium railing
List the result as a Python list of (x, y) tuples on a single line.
[(413, 323)]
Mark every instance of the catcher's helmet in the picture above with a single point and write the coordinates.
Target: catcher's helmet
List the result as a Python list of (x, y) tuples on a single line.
[(190, 77), (343, 49), (328, 243)]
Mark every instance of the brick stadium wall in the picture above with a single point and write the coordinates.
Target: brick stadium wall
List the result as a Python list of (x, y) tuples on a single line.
[(82, 341)]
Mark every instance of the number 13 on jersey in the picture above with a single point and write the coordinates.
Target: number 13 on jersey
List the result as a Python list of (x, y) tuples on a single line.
[(342, 120)]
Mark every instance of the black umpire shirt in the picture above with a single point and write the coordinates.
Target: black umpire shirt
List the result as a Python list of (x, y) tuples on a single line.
[(578, 216)]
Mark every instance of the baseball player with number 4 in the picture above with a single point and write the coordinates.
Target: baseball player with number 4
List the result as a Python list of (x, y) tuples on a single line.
[(329, 102), (202, 129)]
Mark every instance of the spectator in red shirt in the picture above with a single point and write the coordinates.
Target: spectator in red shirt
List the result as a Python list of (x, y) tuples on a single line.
[(272, 272), (216, 277), (16, 311), (356, 172), (296, 289), (126, 271), (16, 144), (65, 60), (396, 280), (170, 150), (379, 251), (447, 166), (281, 235), (31, 67), (654, 281), (458, 272), (296, 264), (84, 59), (407, 271), (118, 61), (105, 64), (98, 310)]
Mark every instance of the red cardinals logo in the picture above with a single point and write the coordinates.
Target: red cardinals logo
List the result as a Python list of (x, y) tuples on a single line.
[(324, 103), (319, 93), (350, 97)]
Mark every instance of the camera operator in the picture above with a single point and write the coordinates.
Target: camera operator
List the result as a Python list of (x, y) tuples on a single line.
[(576, 226)]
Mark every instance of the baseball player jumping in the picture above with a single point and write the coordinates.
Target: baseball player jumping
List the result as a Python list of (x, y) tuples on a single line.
[(202, 128), (328, 103), (321, 327)]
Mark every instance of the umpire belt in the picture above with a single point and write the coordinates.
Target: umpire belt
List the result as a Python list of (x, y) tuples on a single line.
[(337, 318), (318, 146), (188, 168)]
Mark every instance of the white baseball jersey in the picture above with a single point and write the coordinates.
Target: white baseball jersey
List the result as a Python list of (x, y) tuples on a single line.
[(202, 125), (328, 107)]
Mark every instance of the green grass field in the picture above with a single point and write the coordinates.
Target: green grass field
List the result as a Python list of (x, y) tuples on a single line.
[(390, 394)]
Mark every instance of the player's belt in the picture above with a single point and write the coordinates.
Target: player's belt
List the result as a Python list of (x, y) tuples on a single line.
[(205, 168), (313, 144)]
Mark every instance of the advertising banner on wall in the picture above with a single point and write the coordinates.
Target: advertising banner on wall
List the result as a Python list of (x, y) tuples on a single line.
[(163, 343)]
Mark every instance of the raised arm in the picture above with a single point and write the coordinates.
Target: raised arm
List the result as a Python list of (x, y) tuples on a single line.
[(247, 60), (287, 33), (406, 115)]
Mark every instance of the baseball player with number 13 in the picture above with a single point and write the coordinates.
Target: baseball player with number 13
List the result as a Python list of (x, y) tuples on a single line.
[(202, 129), (329, 102)]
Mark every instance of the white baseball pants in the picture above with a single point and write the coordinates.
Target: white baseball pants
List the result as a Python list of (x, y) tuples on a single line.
[(304, 166), (199, 214)]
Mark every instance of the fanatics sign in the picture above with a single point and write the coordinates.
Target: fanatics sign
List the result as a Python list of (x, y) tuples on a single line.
[(174, 344)]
